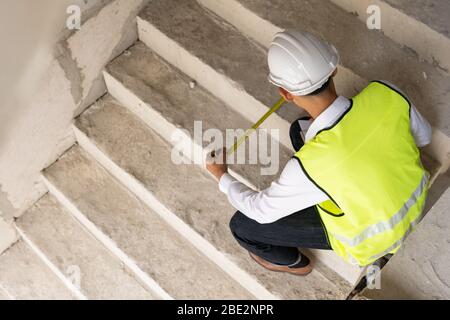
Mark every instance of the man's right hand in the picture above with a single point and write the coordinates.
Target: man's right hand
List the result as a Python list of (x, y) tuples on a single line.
[(216, 163)]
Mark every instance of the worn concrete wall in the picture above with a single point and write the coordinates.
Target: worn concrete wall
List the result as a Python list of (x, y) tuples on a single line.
[(49, 75), (51, 83)]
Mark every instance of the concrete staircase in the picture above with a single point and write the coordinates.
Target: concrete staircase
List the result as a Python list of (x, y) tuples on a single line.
[(122, 221)]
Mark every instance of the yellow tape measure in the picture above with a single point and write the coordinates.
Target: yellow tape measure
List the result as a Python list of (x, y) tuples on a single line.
[(247, 134)]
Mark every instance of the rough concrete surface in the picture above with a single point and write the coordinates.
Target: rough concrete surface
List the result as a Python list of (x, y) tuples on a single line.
[(367, 53), (218, 44), (23, 276), (167, 91), (138, 231), (141, 153), (72, 249), (421, 269), (433, 13), (411, 29)]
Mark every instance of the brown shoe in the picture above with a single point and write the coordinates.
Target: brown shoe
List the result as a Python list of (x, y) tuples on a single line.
[(272, 267)]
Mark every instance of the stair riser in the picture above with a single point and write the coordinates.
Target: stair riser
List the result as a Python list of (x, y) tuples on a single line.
[(71, 250), (24, 275), (428, 43), (54, 269), (186, 145), (218, 84), (140, 275)]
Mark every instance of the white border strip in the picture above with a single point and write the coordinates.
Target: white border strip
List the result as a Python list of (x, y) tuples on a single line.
[(148, 282), (77, 293), (201, 244)]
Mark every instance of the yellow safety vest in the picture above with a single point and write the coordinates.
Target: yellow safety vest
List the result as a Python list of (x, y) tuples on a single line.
[(369, 166)]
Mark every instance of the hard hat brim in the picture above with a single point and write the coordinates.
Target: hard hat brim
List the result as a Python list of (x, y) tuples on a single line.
[(300, 92)]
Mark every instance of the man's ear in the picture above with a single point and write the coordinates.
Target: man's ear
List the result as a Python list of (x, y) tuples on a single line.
[(286, 95), (334, 73)]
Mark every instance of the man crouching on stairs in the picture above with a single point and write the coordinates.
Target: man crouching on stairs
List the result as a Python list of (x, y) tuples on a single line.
[(356, 184)]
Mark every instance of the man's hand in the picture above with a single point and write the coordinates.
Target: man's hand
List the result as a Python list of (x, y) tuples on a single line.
[(217, 163)]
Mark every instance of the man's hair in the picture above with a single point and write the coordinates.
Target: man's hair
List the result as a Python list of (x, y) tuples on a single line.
[(323, 88)]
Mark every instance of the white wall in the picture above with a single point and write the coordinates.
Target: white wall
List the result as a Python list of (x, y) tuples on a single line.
[(50, 75)]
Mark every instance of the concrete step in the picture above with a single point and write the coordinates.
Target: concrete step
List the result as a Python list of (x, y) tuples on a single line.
[(422, 26), (421, 269), (108, 209), (366, 55), (141, 160), (77, 254), (161, 95), (217, 56), (24, 276)]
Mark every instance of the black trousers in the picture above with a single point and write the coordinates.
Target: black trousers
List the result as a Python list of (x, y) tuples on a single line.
[(278, 242)]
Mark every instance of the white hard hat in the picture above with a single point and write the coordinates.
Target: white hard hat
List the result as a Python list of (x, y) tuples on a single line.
[(301, 63)]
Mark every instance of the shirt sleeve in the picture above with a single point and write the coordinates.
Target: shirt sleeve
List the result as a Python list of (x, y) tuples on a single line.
[(420, 127), (291, 193)]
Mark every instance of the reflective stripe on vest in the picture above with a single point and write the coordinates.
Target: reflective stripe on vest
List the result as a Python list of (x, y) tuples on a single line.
[(369, 166), (399, 242), (383, 226)]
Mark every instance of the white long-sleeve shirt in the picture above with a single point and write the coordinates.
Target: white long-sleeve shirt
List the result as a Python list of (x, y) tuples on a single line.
[(293, 191)]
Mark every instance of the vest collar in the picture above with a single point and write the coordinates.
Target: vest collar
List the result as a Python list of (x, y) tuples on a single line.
[(328, 117)]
